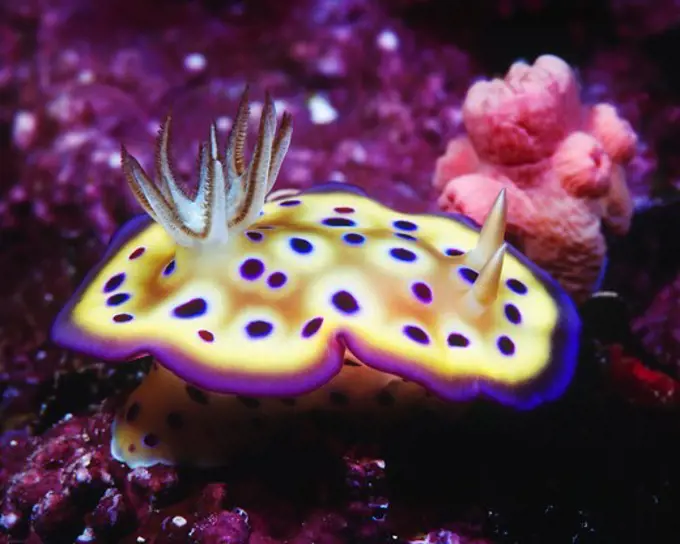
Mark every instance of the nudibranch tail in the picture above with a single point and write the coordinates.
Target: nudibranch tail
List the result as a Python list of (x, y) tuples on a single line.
[(230, 195)]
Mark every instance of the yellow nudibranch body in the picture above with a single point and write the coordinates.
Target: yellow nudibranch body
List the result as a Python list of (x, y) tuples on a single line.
[(250, 308)]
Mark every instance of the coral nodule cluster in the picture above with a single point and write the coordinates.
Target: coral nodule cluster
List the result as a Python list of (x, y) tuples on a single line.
[(560, 161)]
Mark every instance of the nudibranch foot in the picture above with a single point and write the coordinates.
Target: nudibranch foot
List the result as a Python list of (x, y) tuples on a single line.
[(168, 421)]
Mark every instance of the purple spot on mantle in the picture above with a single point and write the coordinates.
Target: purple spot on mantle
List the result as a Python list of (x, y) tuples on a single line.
[(505, 345), (402, 254), (169, 268), (259, 329), (457, 340), (468, 274), (251, 269), (300, 245), (193, 308), (206, 336), (117, 299), (312, 327), (513, 314), (114, 282), (517, 286), (254, 235), (276, 280), (353, 238), (137, 253), (402, 224), (422, 292), (416, 334), (338, 222), (345, 302)]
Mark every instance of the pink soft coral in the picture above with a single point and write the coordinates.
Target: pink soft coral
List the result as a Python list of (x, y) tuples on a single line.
[(561, 163)]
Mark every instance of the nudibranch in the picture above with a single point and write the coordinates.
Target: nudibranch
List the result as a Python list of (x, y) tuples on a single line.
[(249, 306)]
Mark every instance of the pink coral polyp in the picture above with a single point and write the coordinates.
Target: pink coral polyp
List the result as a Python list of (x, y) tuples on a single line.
[(520, 119)]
